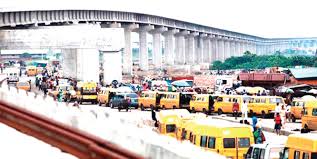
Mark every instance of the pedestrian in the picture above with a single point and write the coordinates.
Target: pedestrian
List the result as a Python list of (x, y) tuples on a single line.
[(154, 117), (283, 116), (277, 109), (259, 93), (235, 108), (263, 93), (278, 123), (76, 104), (244, 110), (254, 121), (259, 137)]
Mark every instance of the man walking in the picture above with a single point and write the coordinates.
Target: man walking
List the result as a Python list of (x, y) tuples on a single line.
[(235, 109), (244, 111)]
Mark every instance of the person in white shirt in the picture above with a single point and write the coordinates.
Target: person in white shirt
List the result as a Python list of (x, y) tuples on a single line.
[(277, 109), (244, 110)]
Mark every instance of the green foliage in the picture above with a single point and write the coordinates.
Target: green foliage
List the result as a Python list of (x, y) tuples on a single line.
[(253, 61)]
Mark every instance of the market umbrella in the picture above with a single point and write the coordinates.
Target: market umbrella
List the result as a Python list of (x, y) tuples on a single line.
[(241, 88), (124, 89), (180, 83), (255, 90), (285, 90), (308, 97), (314, 91)]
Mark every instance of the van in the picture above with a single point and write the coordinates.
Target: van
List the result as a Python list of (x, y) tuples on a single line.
[(309, 118), (149, 99), (31, 71), (300, 146), (168, 119), (265, 151), (203, 103), (183, 122), (24, 86), (297, 107), (224, 103), (104, 95), (229, 139), (12, 74), (173, 100), (264, 105)]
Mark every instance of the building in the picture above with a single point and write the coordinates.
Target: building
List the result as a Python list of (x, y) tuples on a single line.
[(304, 76)]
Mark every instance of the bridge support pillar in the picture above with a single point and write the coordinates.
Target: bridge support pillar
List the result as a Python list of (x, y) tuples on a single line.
[(200, 48), (180, 47), (127, 54), (82, 64), (157, 46), (227, 49), (221, 49), (144, 55), (190, 48), (170, 46), (214, 48), (207, 50)]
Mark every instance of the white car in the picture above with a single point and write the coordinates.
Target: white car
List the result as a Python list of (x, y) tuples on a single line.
[(264, 151)]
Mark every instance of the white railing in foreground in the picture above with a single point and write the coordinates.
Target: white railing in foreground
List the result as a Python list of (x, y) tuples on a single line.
[(142, 141)]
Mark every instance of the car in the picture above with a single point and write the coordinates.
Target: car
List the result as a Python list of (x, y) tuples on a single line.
[(23, 85), (121, 101)]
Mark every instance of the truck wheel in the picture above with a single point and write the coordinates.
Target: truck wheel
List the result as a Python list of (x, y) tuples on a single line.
[(219, 112)]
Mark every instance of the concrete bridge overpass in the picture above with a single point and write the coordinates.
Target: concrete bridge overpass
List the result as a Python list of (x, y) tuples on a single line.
[(185, 42)]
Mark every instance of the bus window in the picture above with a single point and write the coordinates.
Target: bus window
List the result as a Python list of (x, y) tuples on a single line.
[(211, 142), (229, 143), (203, 141), (244, 142), (305, 155), (170, 128)]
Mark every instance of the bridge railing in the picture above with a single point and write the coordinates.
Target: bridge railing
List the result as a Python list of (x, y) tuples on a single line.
[(114, 133)]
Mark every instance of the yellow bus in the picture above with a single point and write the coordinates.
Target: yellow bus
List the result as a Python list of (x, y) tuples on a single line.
[(300, 146), (149, 99), (229, 139), (168, 119), (297, 107), (31, 71), (264, 105), (309, 118), (104, 95), (224, 103), (203, 103), (173, 100), (183, 122)]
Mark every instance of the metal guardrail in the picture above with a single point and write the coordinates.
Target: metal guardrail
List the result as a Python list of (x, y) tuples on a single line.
[(88, 134)]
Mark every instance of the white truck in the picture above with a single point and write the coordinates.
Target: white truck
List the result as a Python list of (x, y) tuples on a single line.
[(12, 74), (224, 82)]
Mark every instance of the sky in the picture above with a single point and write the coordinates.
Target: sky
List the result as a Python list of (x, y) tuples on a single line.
[(264, 18)]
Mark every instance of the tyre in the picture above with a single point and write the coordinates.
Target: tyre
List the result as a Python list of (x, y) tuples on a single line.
[(305, 129), (293, 118), (263, 115), (193, 110), (174, 107), (163, 107), (205, 111), (251, 113), (219, 112), (99, 103), (111, 105), (142, 107)]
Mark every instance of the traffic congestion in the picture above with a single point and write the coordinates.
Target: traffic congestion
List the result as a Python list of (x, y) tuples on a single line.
[(187, 112)]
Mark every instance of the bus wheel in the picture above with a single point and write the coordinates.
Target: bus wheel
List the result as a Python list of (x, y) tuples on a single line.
[(205, 111), (219, 112), (305, 129), (251, 113), (193, 110), (152, 107), (99, 103), (263, 115), (163, 107), (293, 118), (142, 107), (174, 107)]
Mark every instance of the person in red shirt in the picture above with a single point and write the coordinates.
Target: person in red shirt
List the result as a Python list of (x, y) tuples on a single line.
[(235, 108), (278, 124)]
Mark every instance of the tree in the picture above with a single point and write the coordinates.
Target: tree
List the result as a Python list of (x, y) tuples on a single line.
[(217, 65)]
